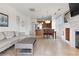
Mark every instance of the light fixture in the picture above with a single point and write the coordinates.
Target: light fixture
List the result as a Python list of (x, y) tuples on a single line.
[(47, 21), (32, 9)]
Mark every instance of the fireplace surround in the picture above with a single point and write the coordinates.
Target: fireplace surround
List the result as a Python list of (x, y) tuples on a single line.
[(77, 39)]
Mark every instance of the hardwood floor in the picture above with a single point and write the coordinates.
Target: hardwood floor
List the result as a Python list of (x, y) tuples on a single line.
[(47, 47)]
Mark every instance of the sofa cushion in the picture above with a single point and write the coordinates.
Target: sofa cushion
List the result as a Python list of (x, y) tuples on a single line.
[(13, 40), (9, 34), (3, 43), (2, 36)]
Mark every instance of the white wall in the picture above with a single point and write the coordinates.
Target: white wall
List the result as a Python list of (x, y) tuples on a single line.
[(74, 26), (25, 24), (59, 25), (13, 26), (72, 37), (53, 23)]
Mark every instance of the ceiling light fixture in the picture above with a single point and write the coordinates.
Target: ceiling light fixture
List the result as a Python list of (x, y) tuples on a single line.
[(32, 9), (47, 21)]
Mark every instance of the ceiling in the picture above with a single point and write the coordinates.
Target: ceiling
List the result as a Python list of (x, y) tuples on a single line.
[(39, 10)]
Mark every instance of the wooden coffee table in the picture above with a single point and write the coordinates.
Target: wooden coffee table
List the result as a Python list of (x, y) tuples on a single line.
[(25, 47)]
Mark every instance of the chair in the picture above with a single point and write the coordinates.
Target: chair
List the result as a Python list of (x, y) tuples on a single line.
[(48, 32)]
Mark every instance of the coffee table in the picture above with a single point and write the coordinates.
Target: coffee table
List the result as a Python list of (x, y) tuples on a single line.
[(25, 46)]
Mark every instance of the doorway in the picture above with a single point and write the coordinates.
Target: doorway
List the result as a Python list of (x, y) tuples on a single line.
[(67, 34)]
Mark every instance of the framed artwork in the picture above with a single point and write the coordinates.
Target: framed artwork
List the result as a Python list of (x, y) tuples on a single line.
[(3, 20)]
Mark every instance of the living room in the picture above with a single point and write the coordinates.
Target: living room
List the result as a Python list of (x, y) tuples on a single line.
[(20, 21)]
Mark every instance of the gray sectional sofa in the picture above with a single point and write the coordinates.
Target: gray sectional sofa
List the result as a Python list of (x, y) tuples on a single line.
[(9, 38)]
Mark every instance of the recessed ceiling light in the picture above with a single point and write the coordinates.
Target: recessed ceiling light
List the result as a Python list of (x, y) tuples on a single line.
[(59, 9), (32, 9), (55, 13)]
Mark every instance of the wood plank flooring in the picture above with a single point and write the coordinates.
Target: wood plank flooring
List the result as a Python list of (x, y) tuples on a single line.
[(47, 47)]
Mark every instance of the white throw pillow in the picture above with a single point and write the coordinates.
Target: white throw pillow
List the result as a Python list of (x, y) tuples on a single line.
[(9, 34), (2, 36)]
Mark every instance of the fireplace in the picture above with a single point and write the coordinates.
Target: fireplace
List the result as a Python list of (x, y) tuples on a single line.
[(77, 39)]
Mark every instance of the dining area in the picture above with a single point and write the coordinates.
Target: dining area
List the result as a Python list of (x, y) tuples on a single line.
[(44, 30)]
